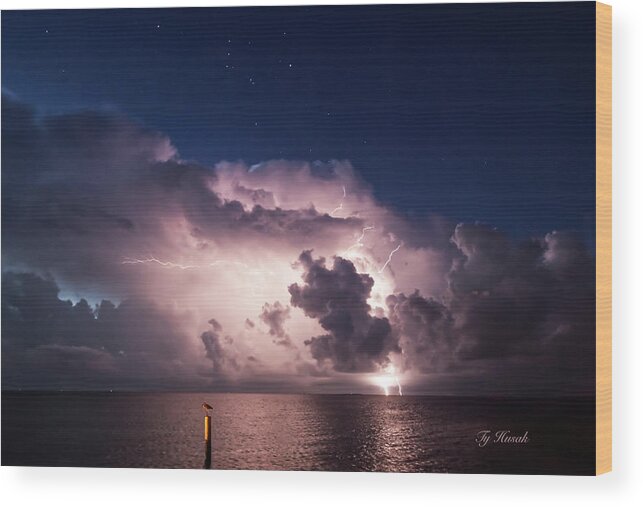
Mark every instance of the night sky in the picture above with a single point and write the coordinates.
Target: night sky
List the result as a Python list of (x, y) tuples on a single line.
[(473, 112), (326, 199)]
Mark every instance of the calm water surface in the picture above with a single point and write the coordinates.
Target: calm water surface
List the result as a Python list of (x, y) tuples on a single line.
[(296, 432)]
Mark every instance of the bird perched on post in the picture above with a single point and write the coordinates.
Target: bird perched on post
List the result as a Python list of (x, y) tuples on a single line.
[(206, 408)]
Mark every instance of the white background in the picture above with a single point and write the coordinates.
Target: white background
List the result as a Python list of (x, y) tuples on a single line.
[(623, 486)]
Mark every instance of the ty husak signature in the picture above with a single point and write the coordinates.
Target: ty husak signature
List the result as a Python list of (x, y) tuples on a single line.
[(485, 437)]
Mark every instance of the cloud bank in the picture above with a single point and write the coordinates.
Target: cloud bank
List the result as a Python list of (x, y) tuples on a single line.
[(126, 266)]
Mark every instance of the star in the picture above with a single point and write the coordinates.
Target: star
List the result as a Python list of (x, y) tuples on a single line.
[(290, 65)]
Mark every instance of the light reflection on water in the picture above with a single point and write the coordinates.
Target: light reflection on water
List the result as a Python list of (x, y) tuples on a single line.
[(295, 432)]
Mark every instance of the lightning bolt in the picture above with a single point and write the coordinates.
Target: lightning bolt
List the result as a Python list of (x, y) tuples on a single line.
[(165, 264), (399, 386), (390, 256), (389, 380), (358, 243), (341, 204), (169, 264)]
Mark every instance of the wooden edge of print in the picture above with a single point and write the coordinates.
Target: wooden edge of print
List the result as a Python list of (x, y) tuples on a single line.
[(603, 238)]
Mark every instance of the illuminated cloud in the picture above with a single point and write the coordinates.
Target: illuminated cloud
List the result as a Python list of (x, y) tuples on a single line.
[(99, 210)]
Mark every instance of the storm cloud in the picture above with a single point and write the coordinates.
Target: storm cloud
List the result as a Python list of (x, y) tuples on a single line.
[(117, 253), (275, 316), (513, 303), (337, 297), (215, 351), (75, 182), (50, 341), (531, 298)]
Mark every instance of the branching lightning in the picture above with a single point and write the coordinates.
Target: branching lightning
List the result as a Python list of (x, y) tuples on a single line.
[(358, 243), (341, 204), (165, 264), (169, 264), (390, 256)]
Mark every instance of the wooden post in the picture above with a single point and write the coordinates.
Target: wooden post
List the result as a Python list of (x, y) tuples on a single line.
[(208, 441)]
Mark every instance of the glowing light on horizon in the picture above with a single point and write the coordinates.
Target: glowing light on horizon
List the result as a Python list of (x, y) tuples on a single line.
[(390, 379)]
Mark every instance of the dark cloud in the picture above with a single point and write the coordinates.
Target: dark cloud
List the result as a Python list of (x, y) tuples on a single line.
[(215, 351), (512, 310), (136, 341), (524, 298), (337, 298), (71, 185), (274, 316), (425, 330), (258, 196), (212, 217)]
